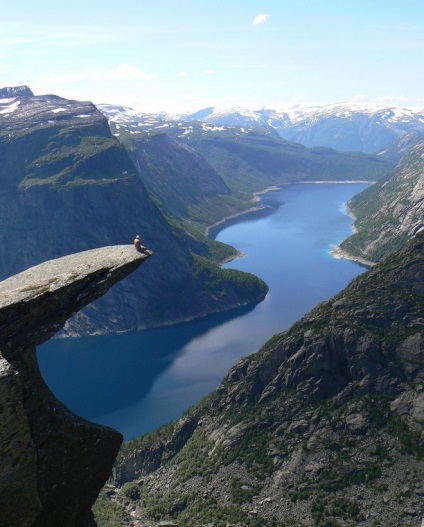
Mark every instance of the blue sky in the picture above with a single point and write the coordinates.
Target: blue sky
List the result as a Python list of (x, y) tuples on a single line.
[(183, 55)]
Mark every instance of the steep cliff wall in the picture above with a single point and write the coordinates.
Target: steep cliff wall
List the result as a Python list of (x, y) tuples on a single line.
[(390, 212), (68, 185), (324, 426), (52, 463)]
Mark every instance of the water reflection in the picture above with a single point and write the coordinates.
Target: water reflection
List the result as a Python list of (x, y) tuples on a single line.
[(100, 375), (135, 382)]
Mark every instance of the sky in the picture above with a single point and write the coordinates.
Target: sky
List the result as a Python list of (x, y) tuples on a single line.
[(183, 55)]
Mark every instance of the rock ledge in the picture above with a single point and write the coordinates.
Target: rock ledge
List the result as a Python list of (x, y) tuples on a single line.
[(52, 463)]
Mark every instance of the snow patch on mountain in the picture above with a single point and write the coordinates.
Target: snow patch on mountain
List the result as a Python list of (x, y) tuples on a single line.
[(346, 127), (10, 108)]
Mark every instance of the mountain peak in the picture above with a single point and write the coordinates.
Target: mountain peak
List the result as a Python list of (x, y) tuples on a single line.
[(15, 91)]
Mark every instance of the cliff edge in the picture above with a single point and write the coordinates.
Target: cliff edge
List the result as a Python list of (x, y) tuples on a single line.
[(52, 462)]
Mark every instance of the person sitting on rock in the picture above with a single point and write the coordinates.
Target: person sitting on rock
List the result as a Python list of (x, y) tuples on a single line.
[(137, 243)]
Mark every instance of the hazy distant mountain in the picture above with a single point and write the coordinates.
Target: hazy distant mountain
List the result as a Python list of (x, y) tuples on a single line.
[(15, 91), (248, 158), (341, 126)]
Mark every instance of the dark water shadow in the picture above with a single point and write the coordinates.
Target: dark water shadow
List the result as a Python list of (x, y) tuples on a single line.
[(99, 375)]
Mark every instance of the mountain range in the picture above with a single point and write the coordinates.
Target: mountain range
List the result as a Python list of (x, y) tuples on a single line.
[(67, 185), (344, 127), (72, 180), (322, 427), (248, 159)]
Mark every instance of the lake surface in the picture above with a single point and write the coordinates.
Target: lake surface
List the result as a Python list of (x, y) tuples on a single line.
[(138, 381)]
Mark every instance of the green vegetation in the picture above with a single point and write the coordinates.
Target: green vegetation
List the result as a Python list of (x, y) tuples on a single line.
[(382, 417), (192, 510), (108, 513), (258, 159), (342, 476), (130, 490), (194, 459), (144, 442), (73, 156), (196, 242), (325, 510), (387, 213), (241, 492), (223, 282), (252, 450)]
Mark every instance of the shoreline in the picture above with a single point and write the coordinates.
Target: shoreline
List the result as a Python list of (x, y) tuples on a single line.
[(255, 199), (336, 251), (272, 188), (340, 254), (354, 218), (239, 254), (323, 182)]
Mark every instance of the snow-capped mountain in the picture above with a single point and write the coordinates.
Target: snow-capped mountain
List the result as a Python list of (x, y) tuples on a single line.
[(136, 122), (341, 126), (15, 91), (344, 127)]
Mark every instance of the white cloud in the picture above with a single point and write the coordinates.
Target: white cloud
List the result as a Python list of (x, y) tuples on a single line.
[(182, 74), (260, 19)]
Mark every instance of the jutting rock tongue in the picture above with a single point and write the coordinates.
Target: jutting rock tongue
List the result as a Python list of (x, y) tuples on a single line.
[(52, 463)]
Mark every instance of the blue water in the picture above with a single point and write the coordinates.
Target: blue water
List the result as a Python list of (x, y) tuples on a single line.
[(138, 381)]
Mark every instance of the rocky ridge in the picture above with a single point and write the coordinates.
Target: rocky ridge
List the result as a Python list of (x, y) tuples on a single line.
[(15, 91), (324, 426), (390, 212), (52, 463), (344, 126)]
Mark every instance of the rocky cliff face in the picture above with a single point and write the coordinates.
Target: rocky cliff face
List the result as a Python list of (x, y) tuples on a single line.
[(68, 185), (52, 463), (390, 212), (15, 91), (176, 175), (324, 426)]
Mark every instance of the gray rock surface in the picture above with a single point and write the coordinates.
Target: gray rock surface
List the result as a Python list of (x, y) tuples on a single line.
[(36, 303), (52, 463), (15, 91), (323, 426), (390, 212)]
